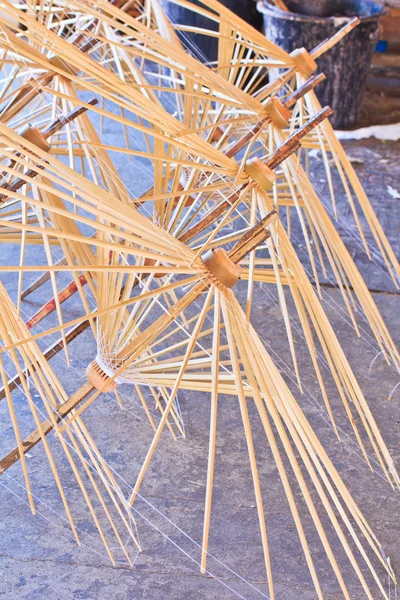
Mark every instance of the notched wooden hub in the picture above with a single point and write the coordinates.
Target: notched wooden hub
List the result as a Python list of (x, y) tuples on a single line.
[(150, 262), (98, 377), (33, 135), (304, 61), (222, 267), (260, 173), (278, 113)]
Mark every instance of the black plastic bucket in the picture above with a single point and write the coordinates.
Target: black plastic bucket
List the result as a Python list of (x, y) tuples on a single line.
[(345, 65), (204, 47), (317, 8)]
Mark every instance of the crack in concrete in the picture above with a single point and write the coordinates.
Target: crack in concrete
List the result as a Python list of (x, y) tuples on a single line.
[(332, 286), (124, 568), (277, 581)]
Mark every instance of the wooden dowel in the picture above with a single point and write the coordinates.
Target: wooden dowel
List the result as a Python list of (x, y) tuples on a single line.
[(206, 221), (46, 426), (40, 281), (18, 183), (301, 91), (310, 84), (315, 53), (293, 142), (253, 238), (50, 306), (63, 120)]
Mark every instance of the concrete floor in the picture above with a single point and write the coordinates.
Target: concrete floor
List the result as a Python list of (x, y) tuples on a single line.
[(39, 560)]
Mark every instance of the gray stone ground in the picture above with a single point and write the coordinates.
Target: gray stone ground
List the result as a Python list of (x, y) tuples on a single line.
[(39, 560)]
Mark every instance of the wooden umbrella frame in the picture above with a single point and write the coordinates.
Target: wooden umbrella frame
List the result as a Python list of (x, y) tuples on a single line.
[(324, 232), (264, 204), (242, 49), (239, 377), (260, 201), (118, 222)]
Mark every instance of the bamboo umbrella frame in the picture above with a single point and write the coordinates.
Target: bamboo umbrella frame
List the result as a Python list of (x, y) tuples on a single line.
[(236, 364), (242, 57), (74, 253), (345, 380), (109, 177), (323, 138), (320, 229), (246, 58), (286, 192), (292, 174), (281, 297), (237, 358), (104, 501)]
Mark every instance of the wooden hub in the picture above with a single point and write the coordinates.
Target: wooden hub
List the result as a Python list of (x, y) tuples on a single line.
[(278, 113), (304, 62), (260, 173), (181, 187), (34, 136), (150, 262), (217, 134), (98, 377), (222, 267)]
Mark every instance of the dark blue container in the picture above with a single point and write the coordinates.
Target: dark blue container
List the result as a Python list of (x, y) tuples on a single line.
[(345, 65)]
